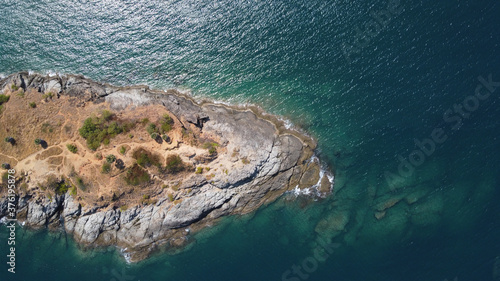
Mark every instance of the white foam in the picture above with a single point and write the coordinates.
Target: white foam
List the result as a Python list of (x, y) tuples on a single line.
[(314, 190), (126, 255)]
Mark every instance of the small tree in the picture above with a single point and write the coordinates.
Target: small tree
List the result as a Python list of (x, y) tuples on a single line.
[(154, 136), (38, 141), (6, 166), (110, 158)]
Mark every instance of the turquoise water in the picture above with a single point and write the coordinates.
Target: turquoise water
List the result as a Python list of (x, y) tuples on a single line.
[(365, 109)]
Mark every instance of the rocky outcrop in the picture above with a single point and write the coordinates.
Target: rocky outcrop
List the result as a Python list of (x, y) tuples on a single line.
[(276, 160)]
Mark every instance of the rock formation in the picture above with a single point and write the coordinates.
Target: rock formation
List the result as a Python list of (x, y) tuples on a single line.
[(234, 160)]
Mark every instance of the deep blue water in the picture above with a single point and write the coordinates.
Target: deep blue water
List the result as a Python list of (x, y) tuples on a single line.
[(365, 98)]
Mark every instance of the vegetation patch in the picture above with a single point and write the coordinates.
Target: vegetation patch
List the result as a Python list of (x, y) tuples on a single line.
[(81, 185), (100, 130), (5, 177), (174, 164), (32, 104), (98, 156), (106, 168), (110, 158), (72, 148), (136, 175), (166, 124), (47, 96), (4, 99), (47, 128), (73, 191), (145, 158), (211, 146), (59, 186)]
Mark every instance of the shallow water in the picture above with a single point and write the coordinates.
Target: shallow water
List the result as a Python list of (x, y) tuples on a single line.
[(365, 111)]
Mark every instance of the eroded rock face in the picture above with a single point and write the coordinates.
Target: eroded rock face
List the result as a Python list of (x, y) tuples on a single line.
[(274, 160)]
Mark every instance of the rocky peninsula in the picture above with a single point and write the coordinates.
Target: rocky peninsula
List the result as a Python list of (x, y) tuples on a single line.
[(139, 168)]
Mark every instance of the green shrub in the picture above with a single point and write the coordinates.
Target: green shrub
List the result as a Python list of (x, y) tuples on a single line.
[(5, 177), (10, 140), (62, 188), (46, 127), (110, 158), (47, 96), (166, 124), (106, 168), (211, 146), (97, 130), (171, 197), (154, 136), (107, 115), (199, 170), (136, 175), (32, 104), (59, 186), (14, 87), (73, 191), (98, 156), (145, 158), (80, 183), (38, 141), (151, 128), (174, 164), (4, 99), (72, 148), (123, 150)]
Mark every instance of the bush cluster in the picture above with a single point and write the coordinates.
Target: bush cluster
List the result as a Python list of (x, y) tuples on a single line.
[(211, 146), (136, 175), (145, 158), (72, 148), (97, 130), (4, 99), (174, 163)]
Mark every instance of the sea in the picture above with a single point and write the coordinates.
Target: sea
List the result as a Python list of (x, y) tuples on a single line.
[(403, 98)]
